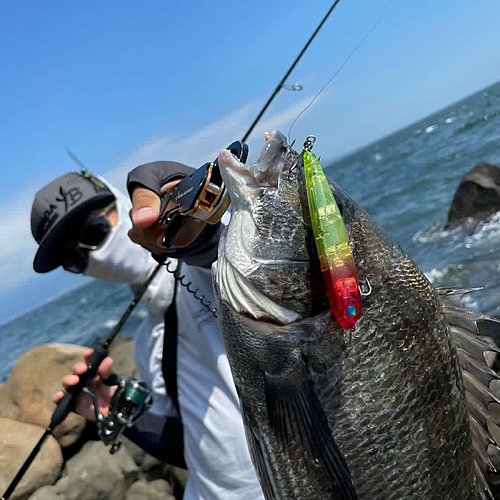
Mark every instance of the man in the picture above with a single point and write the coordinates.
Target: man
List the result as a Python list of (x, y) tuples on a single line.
[(81, 223), (214, 442)]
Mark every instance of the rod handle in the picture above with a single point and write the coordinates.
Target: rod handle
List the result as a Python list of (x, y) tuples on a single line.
[(68, 401)]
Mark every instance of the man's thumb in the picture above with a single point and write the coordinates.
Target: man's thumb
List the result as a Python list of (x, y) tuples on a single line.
[(145, 207)]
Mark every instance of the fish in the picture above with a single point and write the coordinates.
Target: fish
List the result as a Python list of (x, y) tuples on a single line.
[(396, 407)]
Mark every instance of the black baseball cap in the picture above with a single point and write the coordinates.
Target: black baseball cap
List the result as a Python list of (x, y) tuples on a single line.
[(57, 212)]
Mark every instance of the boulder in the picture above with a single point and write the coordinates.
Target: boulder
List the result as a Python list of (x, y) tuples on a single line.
[(122, 352), (8, 409), (35, 377), (17, 440), (477, 196), (160, 489), (94, 473)]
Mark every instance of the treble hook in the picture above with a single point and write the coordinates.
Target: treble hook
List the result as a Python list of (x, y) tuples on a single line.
[(365, 292)]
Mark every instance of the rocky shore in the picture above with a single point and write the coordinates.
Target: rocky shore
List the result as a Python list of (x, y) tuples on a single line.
[(72, 463)]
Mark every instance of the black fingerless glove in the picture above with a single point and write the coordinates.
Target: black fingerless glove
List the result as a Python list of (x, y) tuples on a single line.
[(203, 251)]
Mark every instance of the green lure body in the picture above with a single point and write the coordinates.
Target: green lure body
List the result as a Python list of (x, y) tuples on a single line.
[(332, 244)]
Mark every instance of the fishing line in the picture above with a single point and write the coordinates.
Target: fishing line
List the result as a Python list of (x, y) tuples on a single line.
[(372, 29), (287, 74), (195, 291)]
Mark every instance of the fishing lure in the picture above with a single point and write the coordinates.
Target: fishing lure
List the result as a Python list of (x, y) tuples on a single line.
[(332, 243)]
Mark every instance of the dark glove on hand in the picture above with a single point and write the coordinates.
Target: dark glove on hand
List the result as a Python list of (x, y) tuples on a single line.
[(155, 174), (203, 251)]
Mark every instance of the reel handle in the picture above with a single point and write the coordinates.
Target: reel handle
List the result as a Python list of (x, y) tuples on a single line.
[(68, 401)]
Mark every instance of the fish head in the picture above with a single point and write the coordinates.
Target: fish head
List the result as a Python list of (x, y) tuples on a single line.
[(268, 265)]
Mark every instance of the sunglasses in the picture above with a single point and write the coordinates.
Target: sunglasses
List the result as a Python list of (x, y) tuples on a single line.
[(93, 234)]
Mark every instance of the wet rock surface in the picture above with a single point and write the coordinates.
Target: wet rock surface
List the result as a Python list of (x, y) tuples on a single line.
[(477, 196)]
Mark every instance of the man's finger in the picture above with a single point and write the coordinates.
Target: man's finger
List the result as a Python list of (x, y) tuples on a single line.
[(70, 381), (146, 207), (57, 397), (79, 368), (106, 368)]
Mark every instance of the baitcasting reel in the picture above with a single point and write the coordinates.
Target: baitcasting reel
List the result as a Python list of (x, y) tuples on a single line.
[(202, 195), (130, 401)]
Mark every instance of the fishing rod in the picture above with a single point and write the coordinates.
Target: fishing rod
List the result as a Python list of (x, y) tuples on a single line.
[(290, 69), (68, 401), (101, 350)]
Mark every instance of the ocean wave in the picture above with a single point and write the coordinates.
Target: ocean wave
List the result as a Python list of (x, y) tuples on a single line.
[(110, 323), (474, 123), (469, 234), (436, 233), (488, 231), (436, 275)]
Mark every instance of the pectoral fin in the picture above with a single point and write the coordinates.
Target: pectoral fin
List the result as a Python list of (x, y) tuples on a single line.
[(298, 420)]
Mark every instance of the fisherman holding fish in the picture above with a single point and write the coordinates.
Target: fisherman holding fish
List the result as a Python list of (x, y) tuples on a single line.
[(200, 391)]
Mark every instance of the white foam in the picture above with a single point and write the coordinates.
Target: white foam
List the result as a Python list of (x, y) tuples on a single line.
[(430, 128), (469, 302), (111, 323), (488, 231), (436, 233), (483, 232), (436, 274)]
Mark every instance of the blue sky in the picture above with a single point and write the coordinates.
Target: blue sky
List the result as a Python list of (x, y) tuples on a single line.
[(124, 83)]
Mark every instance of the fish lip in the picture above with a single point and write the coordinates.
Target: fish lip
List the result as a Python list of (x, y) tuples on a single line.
[(273, 152)]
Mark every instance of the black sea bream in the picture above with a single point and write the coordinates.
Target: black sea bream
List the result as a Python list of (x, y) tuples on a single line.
[(394, 408)]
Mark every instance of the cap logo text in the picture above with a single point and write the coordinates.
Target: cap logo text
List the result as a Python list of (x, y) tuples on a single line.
[(69, 197)]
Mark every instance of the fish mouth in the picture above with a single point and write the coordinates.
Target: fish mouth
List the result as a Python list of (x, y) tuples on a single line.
[(265, 171), (264, 174)]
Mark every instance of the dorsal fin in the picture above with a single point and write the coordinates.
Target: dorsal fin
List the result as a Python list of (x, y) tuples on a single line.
[(477, 376)]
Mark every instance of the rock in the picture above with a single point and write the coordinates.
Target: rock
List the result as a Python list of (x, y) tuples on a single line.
[(48, 492), (8, 409), (153, 469), (135, 451), (35, 377), (17, 440), (179, 477), (477, 196), (94, 473), (121, 350), (154, 490)]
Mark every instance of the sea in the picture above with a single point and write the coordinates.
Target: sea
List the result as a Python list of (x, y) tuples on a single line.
[(406, 181)]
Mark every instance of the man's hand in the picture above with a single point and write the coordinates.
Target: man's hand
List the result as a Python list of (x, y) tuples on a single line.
[(84, 405), (145, 214)]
